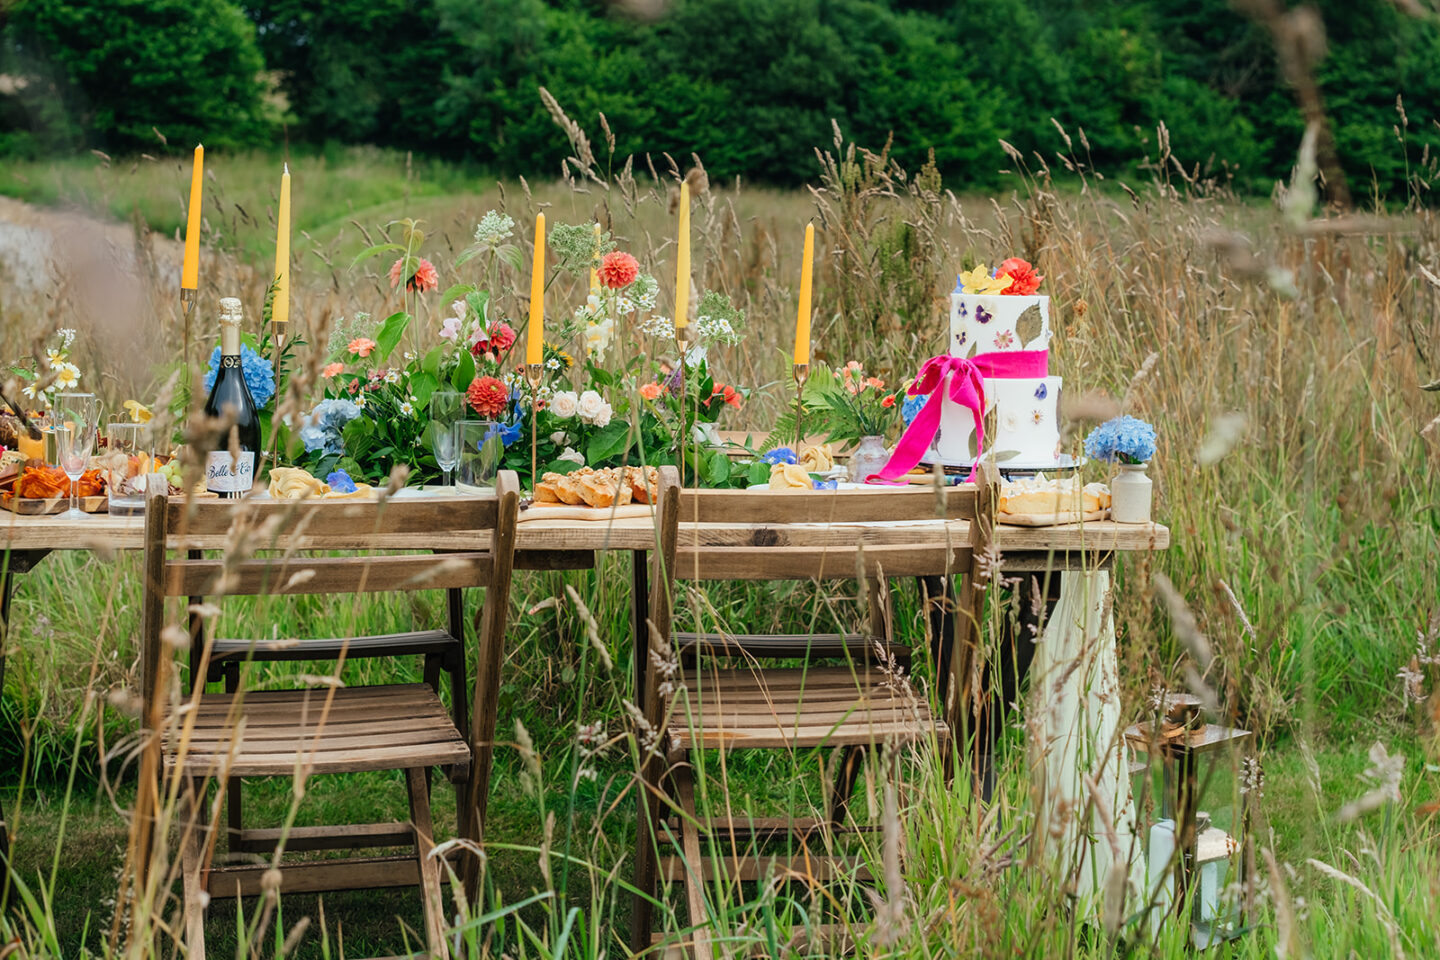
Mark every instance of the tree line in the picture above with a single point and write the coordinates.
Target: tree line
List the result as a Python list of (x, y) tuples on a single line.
[(750, 85)]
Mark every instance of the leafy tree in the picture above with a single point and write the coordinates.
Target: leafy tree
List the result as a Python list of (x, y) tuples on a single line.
[(107, 73)]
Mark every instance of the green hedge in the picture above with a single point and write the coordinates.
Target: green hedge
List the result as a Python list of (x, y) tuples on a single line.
[(751, 85)]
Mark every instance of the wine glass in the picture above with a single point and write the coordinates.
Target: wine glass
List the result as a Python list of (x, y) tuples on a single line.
[(77, 418), (446, 408)]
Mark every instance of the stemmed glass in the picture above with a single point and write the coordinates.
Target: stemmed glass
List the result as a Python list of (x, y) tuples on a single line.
[(77, 418), (446, 408)]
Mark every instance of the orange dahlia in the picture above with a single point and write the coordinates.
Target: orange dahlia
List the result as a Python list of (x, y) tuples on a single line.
[(489, 396), (618, 269)]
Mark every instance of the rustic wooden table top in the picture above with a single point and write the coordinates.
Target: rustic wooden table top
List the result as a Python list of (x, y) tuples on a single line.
[(104, 532)]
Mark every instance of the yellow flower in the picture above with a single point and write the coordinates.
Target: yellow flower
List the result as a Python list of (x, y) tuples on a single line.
[(139, 413), (979, 281)]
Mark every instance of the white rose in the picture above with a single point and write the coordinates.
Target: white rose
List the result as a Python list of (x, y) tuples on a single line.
[(573, 455), (590, 405), (563, 404), (559, 437), (602, 418)]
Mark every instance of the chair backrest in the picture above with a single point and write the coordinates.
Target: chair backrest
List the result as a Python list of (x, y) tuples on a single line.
[(794, 538), (805, 535), (266, 544)]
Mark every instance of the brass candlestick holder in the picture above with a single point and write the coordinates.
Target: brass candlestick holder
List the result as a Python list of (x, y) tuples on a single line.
[(682, 343), (187, 305), (533, 372), (801, 372)]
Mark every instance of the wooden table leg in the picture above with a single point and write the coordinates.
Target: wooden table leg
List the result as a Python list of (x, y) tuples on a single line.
[(639, 605), (16, 561)]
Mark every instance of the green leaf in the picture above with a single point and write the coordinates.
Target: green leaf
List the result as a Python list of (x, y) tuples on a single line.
[(458, 292), (468, 254), (758, 474), (477, 300), (717, 469), (423, 385), (561, 467), (391, 331), (431, 363), (608, 442), (379, 248), (510, 255), (464, 372)]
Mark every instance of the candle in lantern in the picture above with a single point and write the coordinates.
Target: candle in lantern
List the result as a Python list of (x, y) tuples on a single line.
[(280, 306), (535, 335), (190, 269), (682, 262), (595, 273), (802, 318)]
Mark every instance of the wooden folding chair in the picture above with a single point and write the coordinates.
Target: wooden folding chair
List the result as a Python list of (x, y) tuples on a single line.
[(323, 729), (854, 701)]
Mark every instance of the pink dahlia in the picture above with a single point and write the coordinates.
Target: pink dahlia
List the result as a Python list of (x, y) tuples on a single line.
[(424, 278)]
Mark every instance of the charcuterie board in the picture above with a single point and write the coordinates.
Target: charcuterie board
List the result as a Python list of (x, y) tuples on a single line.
[(561, 511), (29, 507)]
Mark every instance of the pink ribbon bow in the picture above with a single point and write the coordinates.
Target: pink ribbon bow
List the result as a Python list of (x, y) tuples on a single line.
[(967, 388)]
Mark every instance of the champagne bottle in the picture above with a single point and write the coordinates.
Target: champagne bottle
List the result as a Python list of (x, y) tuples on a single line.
[(230, 465)]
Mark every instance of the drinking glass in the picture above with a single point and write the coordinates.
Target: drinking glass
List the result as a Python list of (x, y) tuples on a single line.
[(77, 418), (446, 408), (129, 456), (480, 447)]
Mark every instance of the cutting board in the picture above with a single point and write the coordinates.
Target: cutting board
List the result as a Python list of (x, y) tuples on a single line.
[(28, 507), (1050, 519), (562, 511)]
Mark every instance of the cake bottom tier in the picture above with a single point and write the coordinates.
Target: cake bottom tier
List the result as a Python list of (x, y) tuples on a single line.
[(1026, 419)]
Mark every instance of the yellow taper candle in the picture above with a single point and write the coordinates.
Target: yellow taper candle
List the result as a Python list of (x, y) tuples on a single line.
[(535, 335), (802, 318), (280, 306), (594, 272), (190, 269), (682, 261)]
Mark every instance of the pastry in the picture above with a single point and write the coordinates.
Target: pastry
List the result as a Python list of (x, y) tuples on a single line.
[(1041, 496), (567, 488), (293, 483), (547, 490), (643, 481)]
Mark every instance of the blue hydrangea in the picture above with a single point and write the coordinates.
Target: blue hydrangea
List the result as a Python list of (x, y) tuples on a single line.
[(507, 432), (259, 375), (779, 455), (1124, 439), (340, 482), (912, 406), (826, 484), (326, 424)]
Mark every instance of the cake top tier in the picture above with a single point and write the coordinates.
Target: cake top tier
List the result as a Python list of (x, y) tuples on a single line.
[(1014, 278), (995, 324)]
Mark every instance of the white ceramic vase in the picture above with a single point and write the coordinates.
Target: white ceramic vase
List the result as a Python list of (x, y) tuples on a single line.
[(1130, 494), (869, 456)]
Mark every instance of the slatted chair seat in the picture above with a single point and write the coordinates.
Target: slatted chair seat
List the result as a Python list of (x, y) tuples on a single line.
[(364, 728), (355, 648), (797, 708)]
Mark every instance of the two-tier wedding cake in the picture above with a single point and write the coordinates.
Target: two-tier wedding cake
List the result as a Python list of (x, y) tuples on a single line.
[(990, 312)]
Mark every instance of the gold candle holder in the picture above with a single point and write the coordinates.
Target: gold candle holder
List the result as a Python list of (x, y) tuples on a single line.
[(801, 372), (533, 372)]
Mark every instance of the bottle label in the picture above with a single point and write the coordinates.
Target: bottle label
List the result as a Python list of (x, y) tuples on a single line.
[(227, 360), (223, 474)]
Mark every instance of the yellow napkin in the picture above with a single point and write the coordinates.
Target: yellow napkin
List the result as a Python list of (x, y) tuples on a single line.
[(817, 458), (789, 476), (293, 483)]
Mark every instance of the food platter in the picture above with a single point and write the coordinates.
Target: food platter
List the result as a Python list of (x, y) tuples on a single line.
[(1054, 519)]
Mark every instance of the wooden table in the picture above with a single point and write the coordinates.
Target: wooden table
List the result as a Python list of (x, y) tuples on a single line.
[(571, 544)]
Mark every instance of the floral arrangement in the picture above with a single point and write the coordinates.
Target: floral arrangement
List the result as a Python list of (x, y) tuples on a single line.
[(847, 405), (53, 373), (1121, 440), (593, 405), (1013, 278)]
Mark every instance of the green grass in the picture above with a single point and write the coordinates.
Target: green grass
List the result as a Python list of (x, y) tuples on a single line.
[(1321, 518)]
